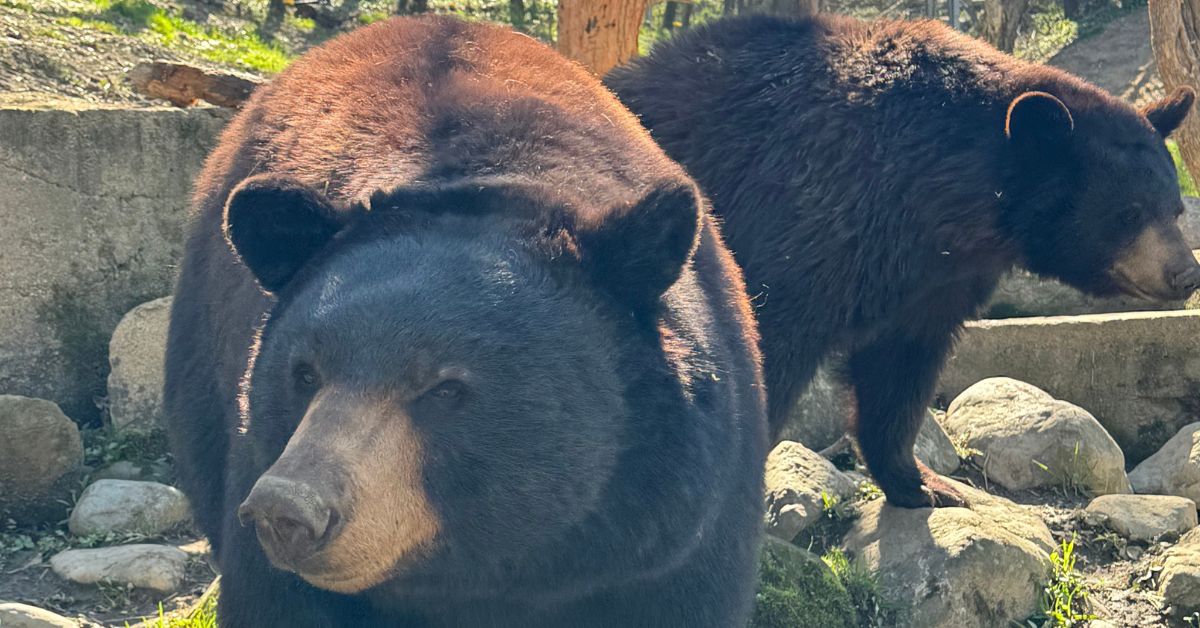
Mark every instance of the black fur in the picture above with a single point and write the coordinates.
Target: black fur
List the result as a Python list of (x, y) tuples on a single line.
[(870, 189), (456, 194)]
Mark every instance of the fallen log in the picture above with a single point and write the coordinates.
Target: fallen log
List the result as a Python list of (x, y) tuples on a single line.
[(182, 85)]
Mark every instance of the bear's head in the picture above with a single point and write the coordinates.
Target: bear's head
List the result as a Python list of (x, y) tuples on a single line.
[(1097, 197), (437, 390)]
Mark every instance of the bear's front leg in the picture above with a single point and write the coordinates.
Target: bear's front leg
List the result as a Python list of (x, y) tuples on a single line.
[(893, 379)]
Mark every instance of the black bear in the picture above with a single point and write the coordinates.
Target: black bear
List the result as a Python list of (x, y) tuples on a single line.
[(876, 179), (455, 344)]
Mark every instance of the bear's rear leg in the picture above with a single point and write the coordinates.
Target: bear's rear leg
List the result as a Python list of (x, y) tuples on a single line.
[(893, 379)]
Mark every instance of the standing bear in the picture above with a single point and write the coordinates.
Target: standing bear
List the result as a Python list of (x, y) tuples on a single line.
[(455, 344), (876, 179)]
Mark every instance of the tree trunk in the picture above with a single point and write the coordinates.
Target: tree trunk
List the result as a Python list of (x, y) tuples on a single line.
[(786, 8), (1002, 21), (668, 21), (411, 7), (600, 34), (1175, 37), (728, 6), (516, 14), (687, 14)]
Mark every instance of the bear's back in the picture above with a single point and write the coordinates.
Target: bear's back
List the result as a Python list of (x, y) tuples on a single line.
[(409, 101)]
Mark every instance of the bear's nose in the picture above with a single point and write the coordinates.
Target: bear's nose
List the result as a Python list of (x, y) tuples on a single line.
[(1187, 281), (292, 520)]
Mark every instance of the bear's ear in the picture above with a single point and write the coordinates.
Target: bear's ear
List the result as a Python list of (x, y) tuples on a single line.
[(1167, 114), (275, 225), (638, 252), (1038, 118)]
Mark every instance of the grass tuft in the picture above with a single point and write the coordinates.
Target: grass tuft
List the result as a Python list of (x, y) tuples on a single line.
[(1065, 597), (871, 609)]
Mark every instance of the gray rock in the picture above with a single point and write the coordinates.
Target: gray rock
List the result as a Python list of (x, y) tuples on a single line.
[(135, 356), (1136, 372), (93, 210), (143, 566), (1174, 469), (1028, 439), (795, 479), (955, 567), (819, 417), (1179, 581), (13, 615), (128, 506), (935, 448), (1143, 517), (41, 457)]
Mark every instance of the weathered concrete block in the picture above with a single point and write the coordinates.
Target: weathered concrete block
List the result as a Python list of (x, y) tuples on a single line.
[(92, 211), (1137, 372)]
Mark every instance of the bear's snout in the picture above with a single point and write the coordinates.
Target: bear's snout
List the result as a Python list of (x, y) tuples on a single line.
[(293, 522)]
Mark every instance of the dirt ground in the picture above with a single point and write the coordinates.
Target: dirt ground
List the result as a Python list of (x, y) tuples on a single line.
[(1119, 59), (25, 577)]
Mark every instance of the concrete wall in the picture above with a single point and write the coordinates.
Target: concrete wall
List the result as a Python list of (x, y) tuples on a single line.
[(1137, 372), (92, 204)]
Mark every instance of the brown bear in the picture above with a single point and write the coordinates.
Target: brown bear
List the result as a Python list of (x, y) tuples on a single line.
[(876, 179), (455, 344)]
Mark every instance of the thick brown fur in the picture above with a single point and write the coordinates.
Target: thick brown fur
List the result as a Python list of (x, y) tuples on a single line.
[(876, 179), (408, 134)]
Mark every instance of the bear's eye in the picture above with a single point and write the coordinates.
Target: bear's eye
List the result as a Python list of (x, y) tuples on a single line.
[(306, 377), (446, 395)]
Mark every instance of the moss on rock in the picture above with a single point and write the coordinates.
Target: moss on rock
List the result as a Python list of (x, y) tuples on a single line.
[(797, 590)]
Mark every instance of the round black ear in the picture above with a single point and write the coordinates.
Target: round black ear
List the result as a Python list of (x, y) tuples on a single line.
[(1167, 114), (1038, 117), (275, 225), (639, 252)]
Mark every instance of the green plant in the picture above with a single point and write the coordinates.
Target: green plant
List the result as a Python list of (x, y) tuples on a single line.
[(202, 615), (1065, 597), (1187, 184), (871, 609), (105, 446)]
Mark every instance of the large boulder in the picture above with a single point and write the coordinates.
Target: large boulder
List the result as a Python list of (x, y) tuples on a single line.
[(1136, 372), (797, 590), (1026, 438), (1144, 518), (1179, 580), (819, 417), (1174, 469), (93, 206), (798, 482), (955, 567), (157, 567), (126, 506), (135, 357), (934, 447), (41, 457)]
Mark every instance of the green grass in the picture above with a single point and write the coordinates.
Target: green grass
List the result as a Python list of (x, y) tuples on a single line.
[(1064, 602), (203, 615), (243, 48), (871, 609), (1187, 185)]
